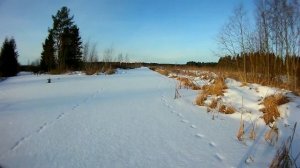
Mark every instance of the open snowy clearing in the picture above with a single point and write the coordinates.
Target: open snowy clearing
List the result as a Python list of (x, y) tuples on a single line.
[(129, 119)]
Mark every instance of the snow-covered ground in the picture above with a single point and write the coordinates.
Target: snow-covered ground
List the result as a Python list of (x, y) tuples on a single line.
[(129, 119)]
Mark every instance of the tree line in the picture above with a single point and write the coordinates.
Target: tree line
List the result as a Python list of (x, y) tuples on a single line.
[(267, 50)]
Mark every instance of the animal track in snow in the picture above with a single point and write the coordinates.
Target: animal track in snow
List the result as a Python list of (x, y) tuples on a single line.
[(212, 144), (74, 107), (41, 128), (60, 116), (19, 142), (44, 126), (179, 114), (193, 126), (25, 138), (170, 106), (85, 100), (199, 135), (219, 157), (184, 121)]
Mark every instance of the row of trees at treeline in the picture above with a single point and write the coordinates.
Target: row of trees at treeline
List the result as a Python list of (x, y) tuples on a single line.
[(269, 50)]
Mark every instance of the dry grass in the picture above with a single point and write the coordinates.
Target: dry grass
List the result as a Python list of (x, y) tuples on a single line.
[(234, 74), (213, 104), (163, 72), (252, 134), (283, 157), (91, 70), (217, 88), (177, 94), (244, 84), (187, 83), (241, 131), (201, 98), (183, 82), (226, 109), (206, 76), (108, 69), (271, 104), (259, 79), (271, 136), (58, 71)]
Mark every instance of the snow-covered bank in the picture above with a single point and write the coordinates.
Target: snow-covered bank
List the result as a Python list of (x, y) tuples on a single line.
[(129, 119)]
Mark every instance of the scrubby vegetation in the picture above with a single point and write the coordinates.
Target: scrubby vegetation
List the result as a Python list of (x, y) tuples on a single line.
[(283, 157), (271, 104)]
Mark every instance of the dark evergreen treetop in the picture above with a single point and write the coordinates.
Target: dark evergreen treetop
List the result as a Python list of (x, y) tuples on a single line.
[(9, 65), (48, 61), (61, 21), (66, 42)]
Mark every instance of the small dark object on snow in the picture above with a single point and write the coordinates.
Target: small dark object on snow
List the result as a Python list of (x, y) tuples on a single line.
[(49, 80)]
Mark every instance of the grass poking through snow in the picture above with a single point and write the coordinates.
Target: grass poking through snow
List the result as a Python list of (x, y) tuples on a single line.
[(271, 104)]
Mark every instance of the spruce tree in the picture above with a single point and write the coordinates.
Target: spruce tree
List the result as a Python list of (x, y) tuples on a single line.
[(48, 58), (76, 48), (9, 65), (66, 40)]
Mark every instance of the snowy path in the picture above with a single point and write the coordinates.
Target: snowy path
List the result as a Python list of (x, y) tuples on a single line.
[(125, 120)]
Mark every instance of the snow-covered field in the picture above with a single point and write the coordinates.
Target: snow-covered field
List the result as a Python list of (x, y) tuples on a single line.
[(129, 119)]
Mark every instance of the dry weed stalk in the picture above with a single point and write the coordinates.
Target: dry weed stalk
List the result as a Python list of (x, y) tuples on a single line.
[(213, 104), (110, 71), (91, 70), (177, 94), (183, 82), (201, 98), (241, 132), (187, 83), (163, 71), (226, 109), (283, 157), (217, 88), (271, 136), (244, 84), (252, 134)]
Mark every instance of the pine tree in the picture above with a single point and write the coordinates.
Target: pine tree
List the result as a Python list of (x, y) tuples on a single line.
[(71, 46), (76, 48), (61, 21), (48, 58), (9, 65), (66, 41)]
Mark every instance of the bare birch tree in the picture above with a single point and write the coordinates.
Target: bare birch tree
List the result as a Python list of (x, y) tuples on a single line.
[(235, 37)]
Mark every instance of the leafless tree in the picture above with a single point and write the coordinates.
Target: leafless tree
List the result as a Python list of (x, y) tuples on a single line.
[(120, 58), (234, 37), (108, 55), (90, 58)]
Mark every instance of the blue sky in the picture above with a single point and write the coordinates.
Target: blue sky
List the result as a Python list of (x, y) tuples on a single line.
[(163, 31)]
